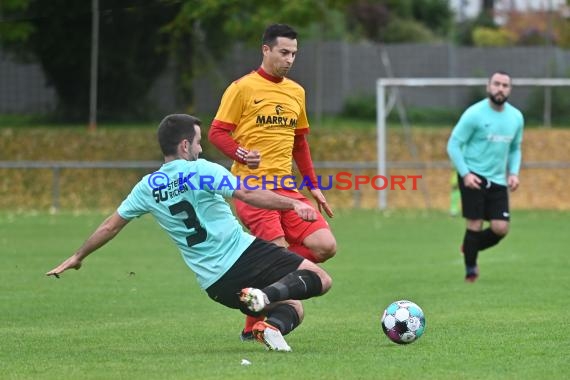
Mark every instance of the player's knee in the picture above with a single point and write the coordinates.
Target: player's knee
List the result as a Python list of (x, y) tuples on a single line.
[(298, 306), (500, 229), (326, 281), (326, 250), (316, 275)]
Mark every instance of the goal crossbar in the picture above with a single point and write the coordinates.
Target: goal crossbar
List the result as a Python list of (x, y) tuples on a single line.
[(422, 82), (381, 114)]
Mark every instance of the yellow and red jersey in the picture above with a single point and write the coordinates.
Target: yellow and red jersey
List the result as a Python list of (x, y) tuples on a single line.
[(264, 113)]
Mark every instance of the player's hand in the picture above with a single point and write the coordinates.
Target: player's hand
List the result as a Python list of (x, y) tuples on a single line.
[(471, 181), (322, 202), (253, 159), (513, 182), (71, 263), (305, 211)]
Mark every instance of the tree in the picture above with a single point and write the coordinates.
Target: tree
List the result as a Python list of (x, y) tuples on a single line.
[(58, 34), (207, 29), (436, 15), (484, 21), (136, 38), (400, 21), (488, 8)]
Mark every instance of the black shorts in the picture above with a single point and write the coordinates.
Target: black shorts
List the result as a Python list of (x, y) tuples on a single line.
[(261, 264), (491, 202)]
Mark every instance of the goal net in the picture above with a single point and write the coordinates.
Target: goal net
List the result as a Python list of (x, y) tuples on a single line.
[(389, 97)]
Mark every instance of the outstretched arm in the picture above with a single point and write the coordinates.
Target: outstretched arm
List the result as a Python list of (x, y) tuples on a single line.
[(271, 201), (105, 232)]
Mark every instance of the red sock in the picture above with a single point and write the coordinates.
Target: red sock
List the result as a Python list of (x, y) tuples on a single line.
[(305, 252), (250, 321)]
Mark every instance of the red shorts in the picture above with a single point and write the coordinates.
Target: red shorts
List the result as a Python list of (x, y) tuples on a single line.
[(272, 224)]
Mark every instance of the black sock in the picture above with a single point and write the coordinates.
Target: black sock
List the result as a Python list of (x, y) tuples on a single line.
[(284, 317), (298, 285), (488, 238), (471, 247)]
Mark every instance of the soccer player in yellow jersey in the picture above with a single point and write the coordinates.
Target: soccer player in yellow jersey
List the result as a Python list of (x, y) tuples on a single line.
[(261, 125)]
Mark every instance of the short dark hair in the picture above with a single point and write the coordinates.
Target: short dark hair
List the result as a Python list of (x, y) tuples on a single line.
[(175, 128), (277, 30), (500, 72)]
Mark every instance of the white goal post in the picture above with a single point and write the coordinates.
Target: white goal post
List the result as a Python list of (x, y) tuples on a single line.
[(382, 113)]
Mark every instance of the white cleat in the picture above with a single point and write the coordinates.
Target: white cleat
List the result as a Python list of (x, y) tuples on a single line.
[(270, 336)]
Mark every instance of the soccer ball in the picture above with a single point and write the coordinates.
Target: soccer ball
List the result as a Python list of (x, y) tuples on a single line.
[(403, 322)]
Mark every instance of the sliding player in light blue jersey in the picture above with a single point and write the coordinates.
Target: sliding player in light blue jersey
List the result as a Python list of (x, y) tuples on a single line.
[(485, 148), (199, 221), (186, 196)]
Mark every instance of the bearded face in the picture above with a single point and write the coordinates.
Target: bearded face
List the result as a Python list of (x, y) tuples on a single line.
[(499, 89), (498, 98)]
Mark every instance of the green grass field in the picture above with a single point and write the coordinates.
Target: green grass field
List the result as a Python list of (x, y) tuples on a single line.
[(134, 311)]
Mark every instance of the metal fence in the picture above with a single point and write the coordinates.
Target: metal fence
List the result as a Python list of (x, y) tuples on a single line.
[(355, 168), (331, 72)]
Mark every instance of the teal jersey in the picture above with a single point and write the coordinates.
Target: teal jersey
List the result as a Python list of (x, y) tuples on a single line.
[(187, 200), (487, 142)]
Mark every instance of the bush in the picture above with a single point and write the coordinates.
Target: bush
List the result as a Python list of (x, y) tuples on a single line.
[(399, 31), (360, 107), (490, 37), (363, 107), (445, 117), (535, 37)]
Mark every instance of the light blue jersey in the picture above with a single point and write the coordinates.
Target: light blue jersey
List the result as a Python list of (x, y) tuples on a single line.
[(487, 142), (199, 221)]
